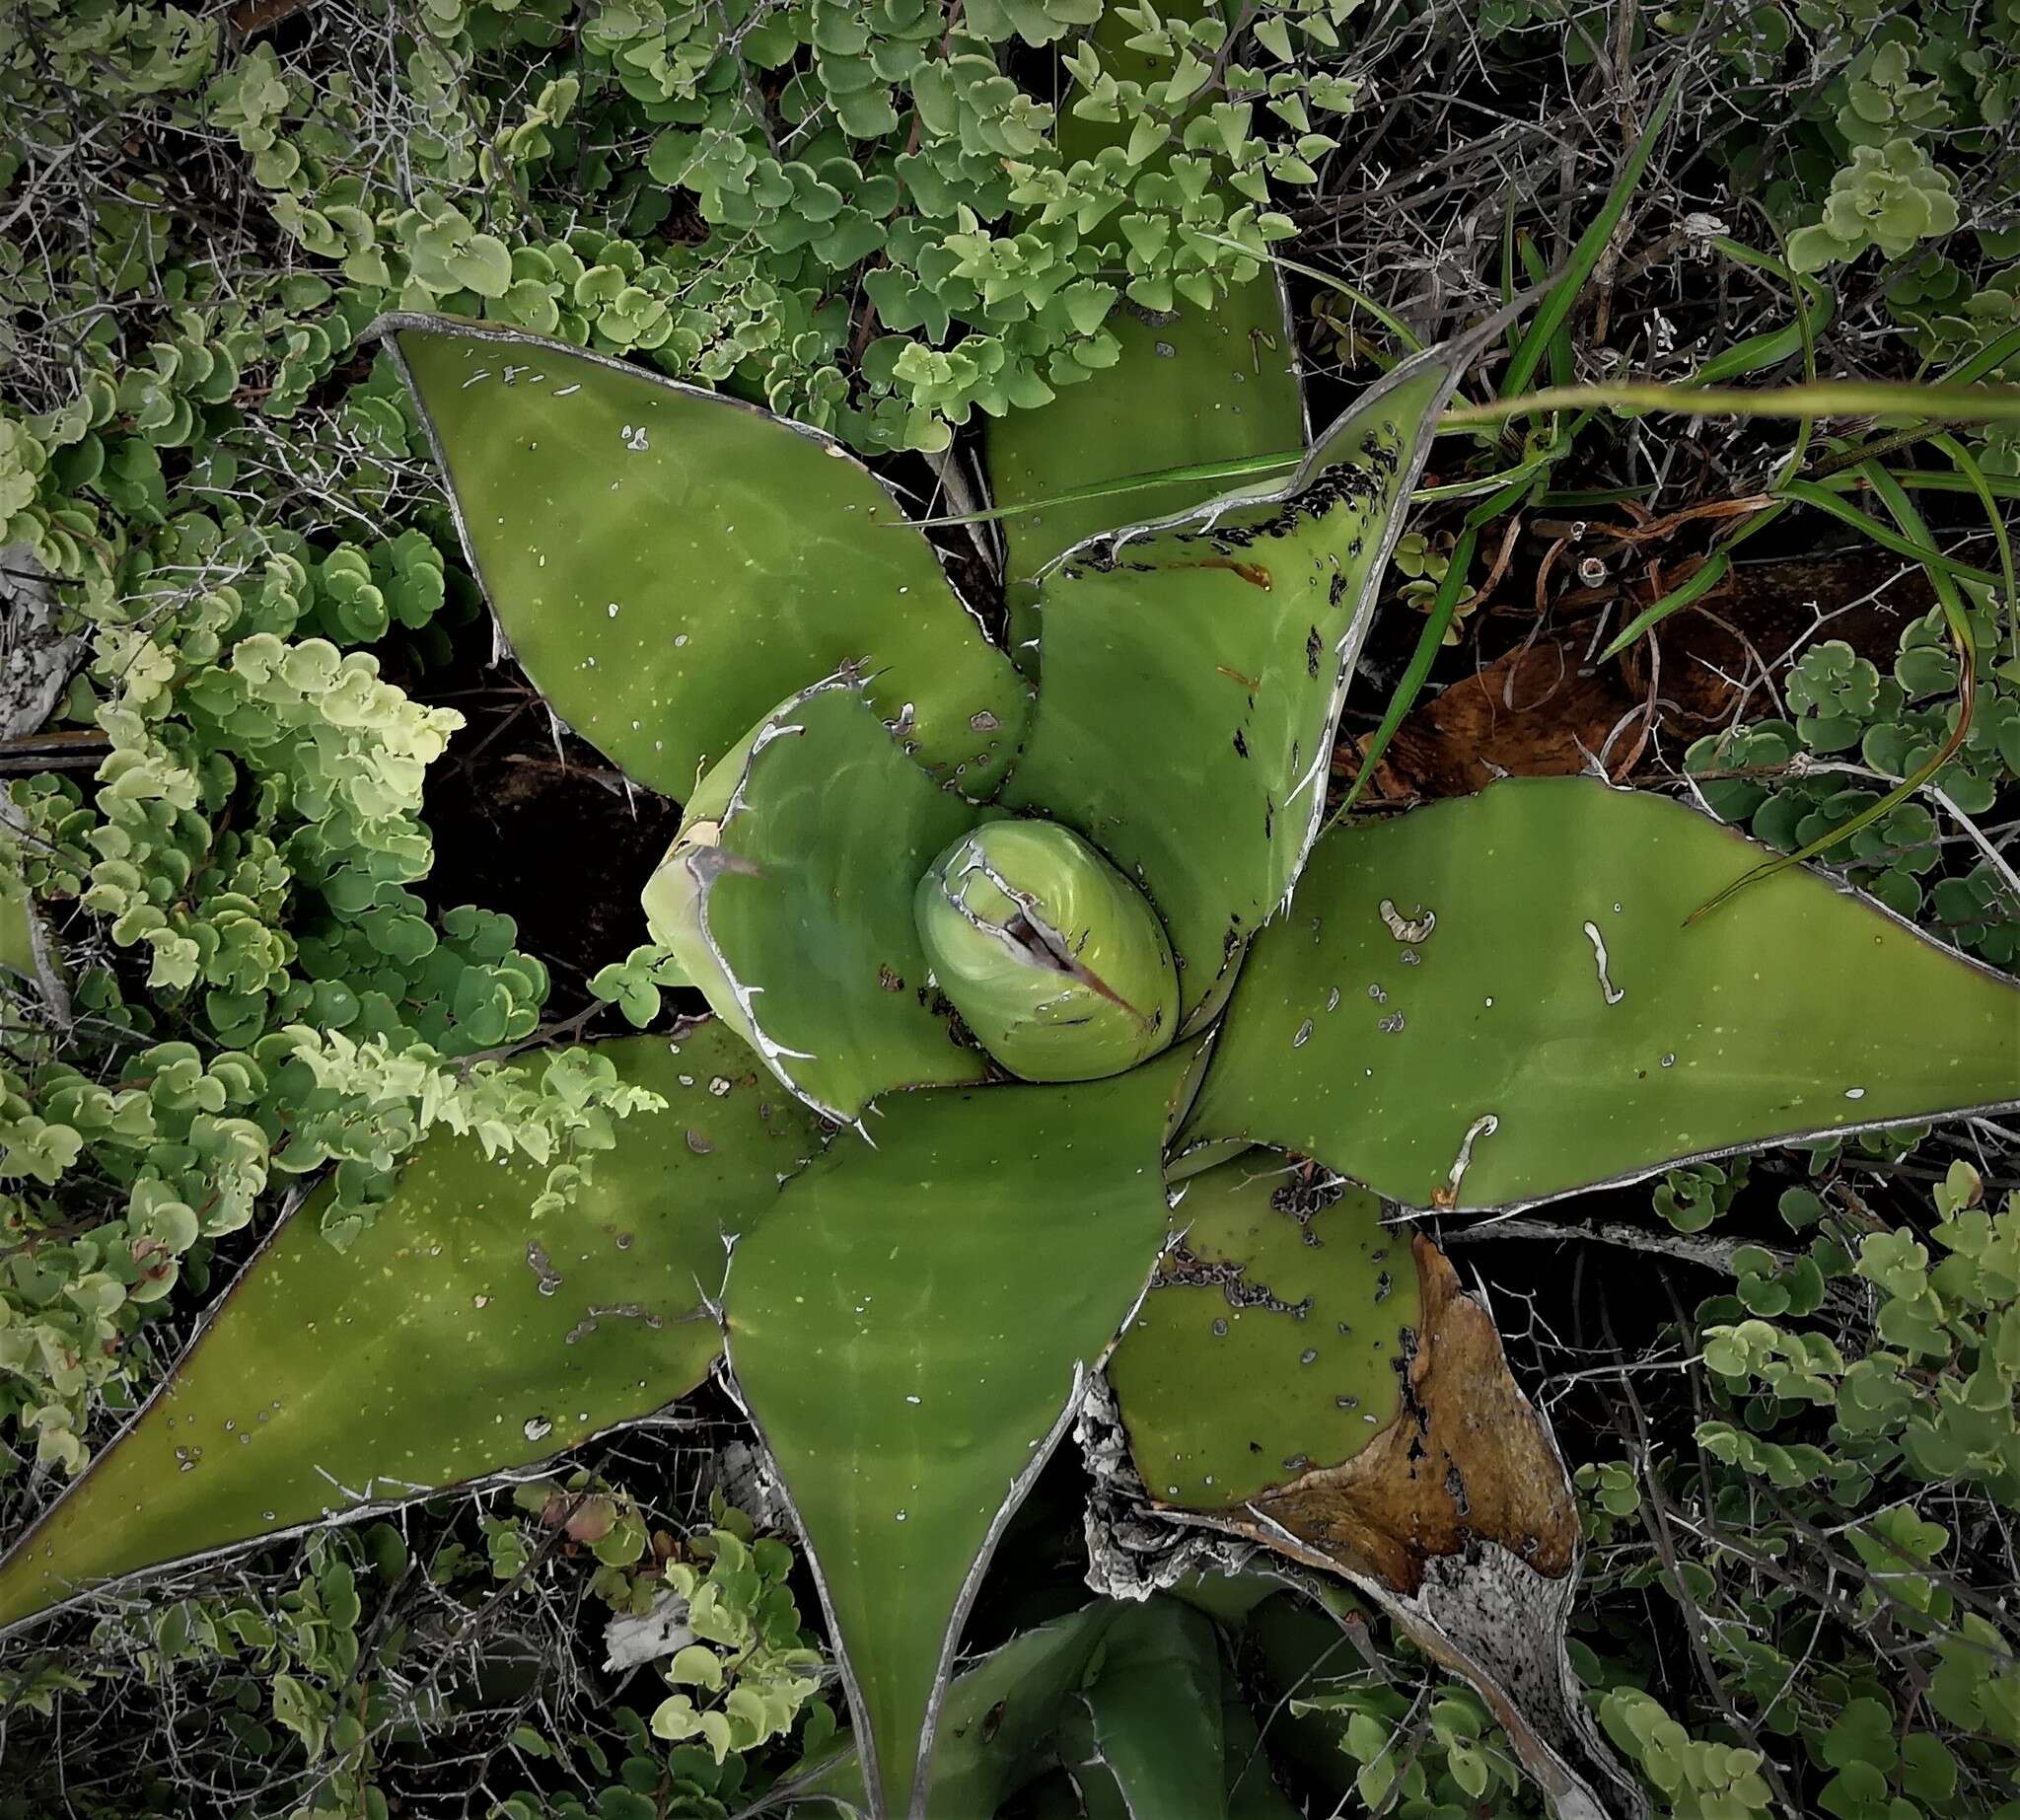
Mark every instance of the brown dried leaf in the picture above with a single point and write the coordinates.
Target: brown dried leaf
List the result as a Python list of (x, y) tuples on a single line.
[(1543, 710), (1466, 1461), (1458, 1521)]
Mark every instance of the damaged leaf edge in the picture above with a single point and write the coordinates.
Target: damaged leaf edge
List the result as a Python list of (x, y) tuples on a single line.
[(1568, 1789), (775, 726)]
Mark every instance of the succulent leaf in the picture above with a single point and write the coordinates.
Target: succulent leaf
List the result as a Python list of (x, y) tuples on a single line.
[(1271, 1337), (997, 1720), (1051, 956), (1192, 677), (1185, 387), (1188, 388), (1146, 1733), (1493, 1001), (788, 900), (454, 1338), (668, 563), (912, 1331)]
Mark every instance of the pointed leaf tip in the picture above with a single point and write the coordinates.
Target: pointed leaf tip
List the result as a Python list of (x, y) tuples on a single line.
[(1493, 1001), (670, 564), (912, 1335), (454, 1338)]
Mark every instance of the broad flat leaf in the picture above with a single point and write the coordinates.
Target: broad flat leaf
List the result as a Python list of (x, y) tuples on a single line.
[(1559, 1027), (792, 908), (1271, 1340), (1145, 1736), (670, 564), (454, 1338), (1192, 387), (912, 1330), (1191, 679)]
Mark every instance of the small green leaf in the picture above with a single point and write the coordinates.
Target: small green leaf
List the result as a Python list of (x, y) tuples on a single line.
[(697, 1665)]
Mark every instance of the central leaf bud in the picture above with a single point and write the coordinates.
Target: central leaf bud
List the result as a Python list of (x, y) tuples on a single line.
[(1055, 959)]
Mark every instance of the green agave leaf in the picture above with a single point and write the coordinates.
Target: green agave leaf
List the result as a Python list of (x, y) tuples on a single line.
[(997, 1720), (670, 564), (454, 1338), (1251, 1790), (1190, 388), (1194, 677), (791, 905), (1146, 1735), (1115, 1687), (1271, 1340), (912, 1331), (1054, 959), (1493, 1001)]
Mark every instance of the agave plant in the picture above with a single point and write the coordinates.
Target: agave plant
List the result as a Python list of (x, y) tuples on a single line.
[(1042, 1010)]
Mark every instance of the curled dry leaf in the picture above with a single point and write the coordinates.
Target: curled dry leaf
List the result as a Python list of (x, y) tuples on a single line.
[(1466, 1461), (1456, 1519)]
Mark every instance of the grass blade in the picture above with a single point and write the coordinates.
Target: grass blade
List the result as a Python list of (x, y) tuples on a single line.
[(1967, 465), (1931, 558), (2001, 485), (1254, 465), (1557, 309), (1826, 398), (1758, 353), (1988, 359), (1412, 341), (1716, 567), (1563, 371), (1707, 576), (1432, 637)]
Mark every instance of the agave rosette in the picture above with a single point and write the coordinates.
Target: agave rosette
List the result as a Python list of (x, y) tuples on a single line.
[(1041, 1002)]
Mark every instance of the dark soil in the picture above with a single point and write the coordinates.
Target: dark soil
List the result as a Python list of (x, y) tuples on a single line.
[(535, 823)]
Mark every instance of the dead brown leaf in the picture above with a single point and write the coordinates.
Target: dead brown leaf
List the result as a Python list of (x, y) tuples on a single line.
[(1465, 1461), (1544, 710), (1458, 1521)]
